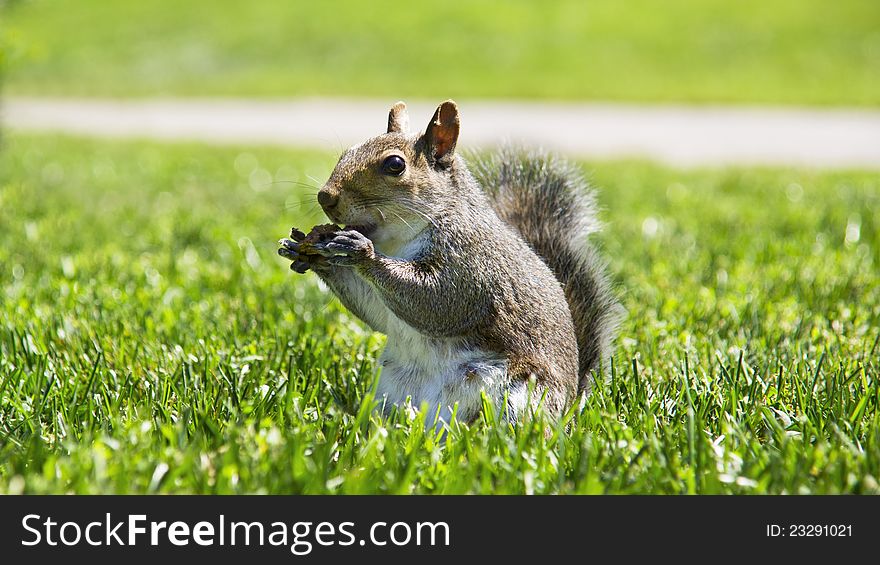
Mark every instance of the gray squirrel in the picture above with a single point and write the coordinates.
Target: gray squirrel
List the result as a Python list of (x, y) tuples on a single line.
[(482, 279)]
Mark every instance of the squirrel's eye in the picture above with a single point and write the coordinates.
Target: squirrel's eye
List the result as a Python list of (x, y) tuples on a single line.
[(393, 165)]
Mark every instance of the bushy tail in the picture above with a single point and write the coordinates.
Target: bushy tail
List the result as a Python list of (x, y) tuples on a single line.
[(551, 205)]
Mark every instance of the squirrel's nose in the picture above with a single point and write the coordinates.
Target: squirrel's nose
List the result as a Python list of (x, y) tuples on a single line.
[(327, 200)]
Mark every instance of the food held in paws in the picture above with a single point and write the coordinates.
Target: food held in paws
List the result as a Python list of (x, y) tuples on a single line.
[(319, 234)]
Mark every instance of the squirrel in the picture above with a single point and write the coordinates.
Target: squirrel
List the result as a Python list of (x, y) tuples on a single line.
[(482, 279)]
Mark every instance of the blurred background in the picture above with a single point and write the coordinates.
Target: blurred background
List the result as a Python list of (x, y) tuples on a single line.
[(808, 52)]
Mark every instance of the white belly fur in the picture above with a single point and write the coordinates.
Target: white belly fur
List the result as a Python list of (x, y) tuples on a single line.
[(440, 373)]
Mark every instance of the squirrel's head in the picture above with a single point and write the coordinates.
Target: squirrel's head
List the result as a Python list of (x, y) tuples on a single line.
[(396, 179)]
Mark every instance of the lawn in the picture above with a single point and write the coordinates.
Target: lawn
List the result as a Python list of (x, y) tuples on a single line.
[(752, 51), (152, 341)]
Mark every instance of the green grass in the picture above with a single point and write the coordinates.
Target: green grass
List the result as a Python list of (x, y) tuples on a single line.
[(751, 51), (152, 341)]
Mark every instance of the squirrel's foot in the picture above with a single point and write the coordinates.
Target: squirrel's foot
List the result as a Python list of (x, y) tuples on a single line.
[(347, 248)]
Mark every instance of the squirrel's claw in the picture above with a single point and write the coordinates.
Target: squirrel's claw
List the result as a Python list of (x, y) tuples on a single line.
[(300, 266), (288, 253), (286, 243)]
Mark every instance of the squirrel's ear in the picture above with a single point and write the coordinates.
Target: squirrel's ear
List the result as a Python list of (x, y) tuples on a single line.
[(398, 119), (442, 133)]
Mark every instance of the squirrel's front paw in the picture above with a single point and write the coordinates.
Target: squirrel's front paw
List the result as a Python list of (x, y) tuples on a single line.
[(347, 248), (299, 262)]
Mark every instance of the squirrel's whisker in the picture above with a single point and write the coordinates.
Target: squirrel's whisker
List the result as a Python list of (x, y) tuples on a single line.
[(299, 204), (404, 221), (415, 210), (298, 183)]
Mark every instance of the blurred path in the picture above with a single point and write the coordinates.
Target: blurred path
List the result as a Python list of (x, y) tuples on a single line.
[(678, 135)]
